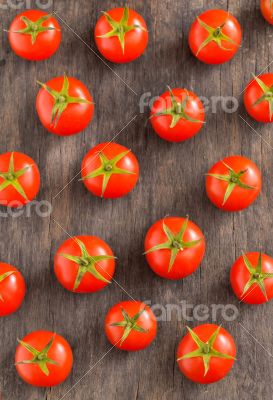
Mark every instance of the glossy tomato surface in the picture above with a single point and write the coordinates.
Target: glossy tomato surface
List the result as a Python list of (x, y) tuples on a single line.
[(46, 42), (12, 289), (117, 180), (212, 53), (60, 354), (138, 338), (267, 10), (67, 270), (256, 107), (135, 40)]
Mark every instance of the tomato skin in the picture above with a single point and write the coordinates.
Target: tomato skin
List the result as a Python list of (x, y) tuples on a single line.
[(66, 270), (267, 11), (186, 262), (60, 352), (46, 44), (239, 276), (212, 53), (193, 368), (75, 118), (12, 290), (184, 129), (30, 180), (239, 198), (260, 112), (118, 185), (135, 41), (136, 340)]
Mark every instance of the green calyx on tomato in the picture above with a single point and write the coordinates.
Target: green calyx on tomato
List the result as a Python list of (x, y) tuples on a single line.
[(86, 263), (215, 35), (257, 276), (107, 169), (11, 178), (177, 110), (120, 28), (233, 179), (129, 324), (175, 242), (62, 99), (205, 349), (39, 357), (35, 28), (2, 278), (267, 96)]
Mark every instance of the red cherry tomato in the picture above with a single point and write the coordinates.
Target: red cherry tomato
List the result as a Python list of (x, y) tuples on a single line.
[(19, 179), (64, 106), (174, 247), (258, 98), (110, 170), (251, 278), (206, 354), (12, 289), (267, 10), (34, 35), (84, 264), (177, 115), (233, 183), (121, 35), (215, 36), (130, 325), (43, 359)]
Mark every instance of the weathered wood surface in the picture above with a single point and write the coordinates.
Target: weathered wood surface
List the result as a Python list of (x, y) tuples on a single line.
[(172, 182)]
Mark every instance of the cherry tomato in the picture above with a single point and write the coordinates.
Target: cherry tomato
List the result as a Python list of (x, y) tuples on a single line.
[(206, 354), (177, 115), (215, 36), (19, 179), (267, 10), (84, 264), (233, 183), (174, 247), (43, 359), (12, 289), (258, 98), (121, 35), (130, 325), (251, 278), (110, 170), (34, 35), (64, 106)]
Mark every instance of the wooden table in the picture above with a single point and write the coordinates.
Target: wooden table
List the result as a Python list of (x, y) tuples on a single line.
[(172, 182)]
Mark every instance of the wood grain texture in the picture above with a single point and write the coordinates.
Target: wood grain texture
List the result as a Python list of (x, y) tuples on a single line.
[(172, 182)]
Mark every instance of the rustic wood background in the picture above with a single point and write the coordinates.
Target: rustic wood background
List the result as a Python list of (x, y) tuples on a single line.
[(172, 182)]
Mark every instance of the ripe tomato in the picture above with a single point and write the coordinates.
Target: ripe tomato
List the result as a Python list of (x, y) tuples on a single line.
[(64, 106), (177, 115), (206, 354), (215, 36), (84, 264), (251, 278), (130, 325), (12, 289), (233, 183), (19, 179), (174, 247), (267, 10), (34, 35), (121, 35), (258, 98), (43, 359), (110, 170)]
